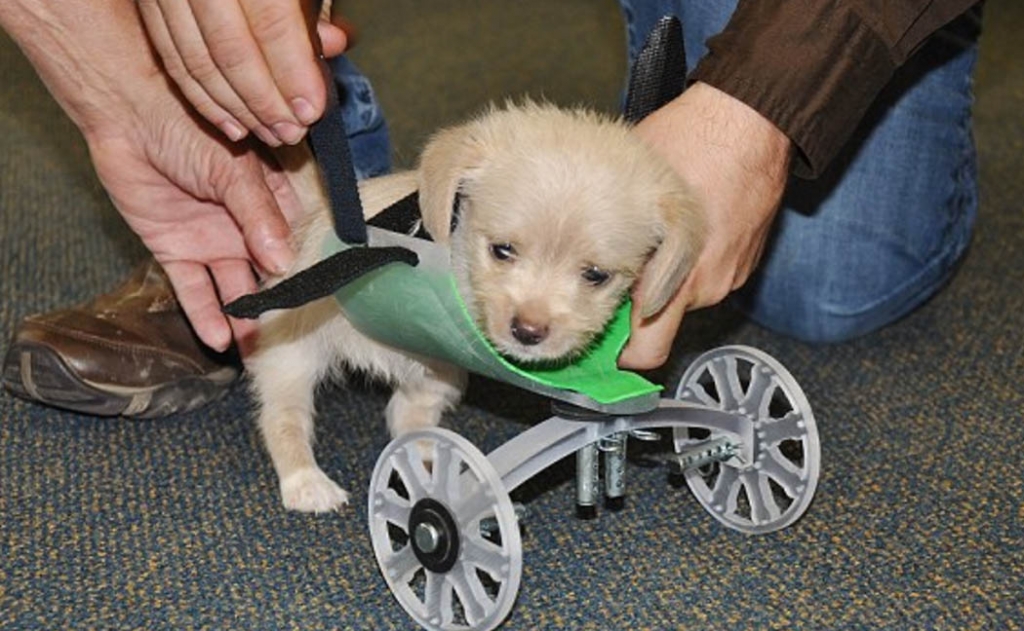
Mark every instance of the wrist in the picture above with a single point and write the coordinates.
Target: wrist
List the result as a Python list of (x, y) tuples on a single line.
[(719, 145), (92, 56), (742, 129)]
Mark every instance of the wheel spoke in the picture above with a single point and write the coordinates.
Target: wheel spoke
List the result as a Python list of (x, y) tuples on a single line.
[(488, 556), (760, 381), (725, 490), (473, 508), (789, 427), (434, 598), (765, 402), (402, 564), (783, 472), (763, 508), (445, 474), (393, 508), (447, 601), (413, 474), (726, 382), (471, 593)]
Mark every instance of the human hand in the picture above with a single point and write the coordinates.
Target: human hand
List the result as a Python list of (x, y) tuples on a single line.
[(737, 162), (207, 211), (246, 65)]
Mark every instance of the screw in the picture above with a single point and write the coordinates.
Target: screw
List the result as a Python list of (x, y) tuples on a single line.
[(428, 539)]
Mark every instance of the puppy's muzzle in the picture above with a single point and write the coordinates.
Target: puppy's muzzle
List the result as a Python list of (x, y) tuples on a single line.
[(528, 333)]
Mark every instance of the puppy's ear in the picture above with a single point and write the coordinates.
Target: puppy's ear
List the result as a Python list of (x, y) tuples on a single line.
[(450, 159), (682, 238)]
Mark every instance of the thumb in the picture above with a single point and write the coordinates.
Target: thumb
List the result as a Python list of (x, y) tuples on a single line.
[(333, 39), (651, 339)]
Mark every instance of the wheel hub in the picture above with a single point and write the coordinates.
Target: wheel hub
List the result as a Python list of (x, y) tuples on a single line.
[(435, 535)]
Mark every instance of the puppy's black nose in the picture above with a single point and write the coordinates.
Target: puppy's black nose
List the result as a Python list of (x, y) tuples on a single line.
[(528, 333)]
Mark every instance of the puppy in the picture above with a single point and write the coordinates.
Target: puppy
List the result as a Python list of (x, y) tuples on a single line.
[(556, 213)]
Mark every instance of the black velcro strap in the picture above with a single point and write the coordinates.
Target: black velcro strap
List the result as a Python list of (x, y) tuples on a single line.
[(320, 280), (403, 217), (329, 142), (659, 71)]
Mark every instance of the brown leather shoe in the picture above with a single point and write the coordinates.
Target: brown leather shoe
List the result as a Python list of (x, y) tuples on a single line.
[(130, 352)]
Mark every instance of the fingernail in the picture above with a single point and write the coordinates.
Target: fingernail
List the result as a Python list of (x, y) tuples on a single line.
[(304, 111), (267, 136), (280, 255), (233, 130), (288, 132)]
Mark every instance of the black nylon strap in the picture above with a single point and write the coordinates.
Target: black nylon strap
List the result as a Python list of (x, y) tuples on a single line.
[(320, 280), (659, 71), (403, 217), (329, 143)]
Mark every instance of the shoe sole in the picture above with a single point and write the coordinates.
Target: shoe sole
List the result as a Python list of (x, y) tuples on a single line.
[(35, 372)]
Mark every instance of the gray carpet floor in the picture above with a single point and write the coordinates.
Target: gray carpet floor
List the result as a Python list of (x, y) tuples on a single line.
[(918, 522)]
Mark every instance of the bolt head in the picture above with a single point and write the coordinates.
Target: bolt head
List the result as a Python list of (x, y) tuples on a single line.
[(428, 538)]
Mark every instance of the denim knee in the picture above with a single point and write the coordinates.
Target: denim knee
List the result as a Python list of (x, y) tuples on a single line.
[(866, 256), (854, 290)]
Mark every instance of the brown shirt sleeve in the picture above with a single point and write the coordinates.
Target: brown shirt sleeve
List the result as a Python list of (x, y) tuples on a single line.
[(813, 67)]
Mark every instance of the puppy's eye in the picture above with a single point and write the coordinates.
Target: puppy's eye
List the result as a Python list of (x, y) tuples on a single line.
[(503, 251), (596, 276)]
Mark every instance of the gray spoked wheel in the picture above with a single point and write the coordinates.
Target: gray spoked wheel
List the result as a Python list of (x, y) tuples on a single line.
[(775, 489), (445, 532)]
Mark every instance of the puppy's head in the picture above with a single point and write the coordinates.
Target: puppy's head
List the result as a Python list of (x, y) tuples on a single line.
[(551, 216)]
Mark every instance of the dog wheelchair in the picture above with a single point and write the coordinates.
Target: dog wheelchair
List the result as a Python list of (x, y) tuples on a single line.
[(444, 529)]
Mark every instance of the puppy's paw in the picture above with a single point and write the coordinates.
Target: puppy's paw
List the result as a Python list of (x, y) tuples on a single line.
[(311, 491)]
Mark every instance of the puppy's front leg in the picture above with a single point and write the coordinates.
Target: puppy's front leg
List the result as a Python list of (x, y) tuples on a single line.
[(285, 372), (421, 398)]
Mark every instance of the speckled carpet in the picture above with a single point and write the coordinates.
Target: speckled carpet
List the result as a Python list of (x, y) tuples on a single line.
[(918, 521)]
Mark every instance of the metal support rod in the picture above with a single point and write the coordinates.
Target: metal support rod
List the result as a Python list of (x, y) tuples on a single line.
[(614, 449), (587, 481), (489, 525)]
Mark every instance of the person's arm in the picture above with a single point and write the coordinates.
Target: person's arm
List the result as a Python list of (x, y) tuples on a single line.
[(813, 67), (207, 211), (781, 89), (82, 52)]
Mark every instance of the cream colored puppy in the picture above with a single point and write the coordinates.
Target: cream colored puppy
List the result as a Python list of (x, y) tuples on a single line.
[(557, 213)]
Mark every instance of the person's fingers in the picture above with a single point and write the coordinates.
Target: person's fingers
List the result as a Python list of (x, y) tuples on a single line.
[(284, 193), (253, 206), (192, 47), (281, 32), (162, 41), (198, 298), (233, 48), (234, 278)]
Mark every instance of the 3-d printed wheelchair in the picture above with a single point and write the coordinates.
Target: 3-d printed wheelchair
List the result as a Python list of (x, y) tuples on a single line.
[(444, 529)]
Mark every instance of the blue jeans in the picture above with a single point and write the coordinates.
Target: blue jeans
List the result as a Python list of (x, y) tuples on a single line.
[(883, 229), (367, 131)]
